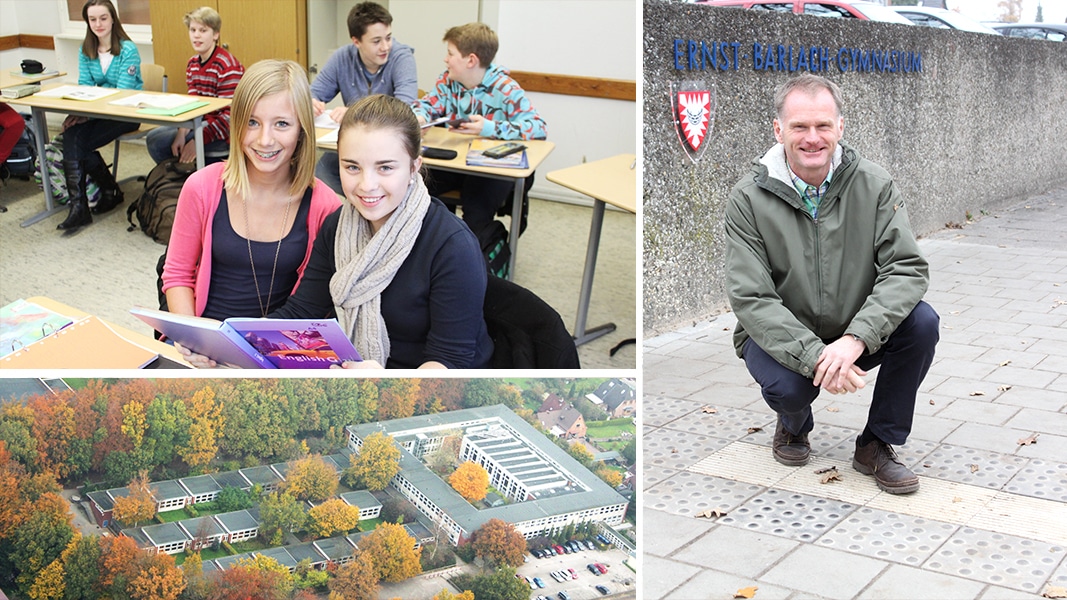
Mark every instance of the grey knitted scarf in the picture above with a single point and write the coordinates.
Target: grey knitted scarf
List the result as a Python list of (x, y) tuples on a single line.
[(366, 264)]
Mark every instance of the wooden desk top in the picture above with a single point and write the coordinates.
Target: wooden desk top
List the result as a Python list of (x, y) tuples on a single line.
[(103, 107), (8, 80), (140, 339), (612, 180), (439, 137)]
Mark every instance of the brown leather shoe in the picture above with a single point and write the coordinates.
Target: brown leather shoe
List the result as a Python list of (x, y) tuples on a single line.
[(879, 459), (790, 450)]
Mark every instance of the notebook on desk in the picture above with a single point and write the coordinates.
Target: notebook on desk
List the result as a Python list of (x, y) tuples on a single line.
[(88, 343)]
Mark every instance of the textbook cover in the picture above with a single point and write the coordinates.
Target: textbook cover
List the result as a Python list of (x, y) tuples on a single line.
[(477, 158), (298, 343), (23, 323), (256, 343)]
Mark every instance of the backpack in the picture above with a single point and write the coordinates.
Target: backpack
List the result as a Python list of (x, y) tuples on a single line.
[(53, 163), (493, 238), (156, 207), (24, 155)]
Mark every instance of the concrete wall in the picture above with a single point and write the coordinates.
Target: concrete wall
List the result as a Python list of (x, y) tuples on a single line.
[(981, 126)]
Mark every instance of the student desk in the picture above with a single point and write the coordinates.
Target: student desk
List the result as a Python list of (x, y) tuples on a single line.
[(102, 108), (7, 79), (439, 137), (608, 181), (165, 351)]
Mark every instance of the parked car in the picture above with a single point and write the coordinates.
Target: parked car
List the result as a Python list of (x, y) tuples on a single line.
[(559, 549), (540, 583), (574, 546), (942, 19), (601, 567), (1054, 32), (589, 545), (592, 569), (603, 590), (574, 574), (857, 9), (564, 596), (533, 586), (603, 540)]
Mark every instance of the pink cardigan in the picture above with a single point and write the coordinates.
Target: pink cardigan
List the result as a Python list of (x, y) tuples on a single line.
[(191, 237)]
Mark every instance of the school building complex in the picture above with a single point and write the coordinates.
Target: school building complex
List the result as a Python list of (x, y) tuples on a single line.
[(542, 488)]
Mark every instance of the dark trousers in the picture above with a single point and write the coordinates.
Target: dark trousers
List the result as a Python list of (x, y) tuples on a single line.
[(81, 141), (479, 196), (904, 358)]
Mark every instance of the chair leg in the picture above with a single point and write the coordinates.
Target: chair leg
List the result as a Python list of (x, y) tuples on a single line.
[(115, 162)]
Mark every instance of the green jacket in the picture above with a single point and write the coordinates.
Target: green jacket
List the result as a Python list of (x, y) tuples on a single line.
[(797, 283)]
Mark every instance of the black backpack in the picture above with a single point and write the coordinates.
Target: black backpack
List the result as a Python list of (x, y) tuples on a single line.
[(156, 207), (21, 162), (493, 238)]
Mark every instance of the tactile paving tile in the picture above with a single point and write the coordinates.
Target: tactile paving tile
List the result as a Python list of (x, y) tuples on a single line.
[(888, 536), (833, 442), (663, 409), (726, 422), (1034, 518), (947, 501), (689, 494), (677, 449), (910, 454), (996, 558), (652, 474), (788, 514), (1040, 479), (971, 466), (746, 462), (850, 486)]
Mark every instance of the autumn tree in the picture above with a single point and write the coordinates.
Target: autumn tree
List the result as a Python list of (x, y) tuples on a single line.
[(470, 480), (351, 401), (580, 453), (396, 398), (158, 578), (499, 543), (280, 513), (258, 419), (39, 539), (609, 476), (49, 583), (311, 479), (168, 428), (376, 464), (81, 567), (393, 552), (196, 584), (53, 428), (138, 506), (249, 581), (482, 392), (500, 584), (205, 428), (445, 594), (331, 517), (357, 580), (118, 564)]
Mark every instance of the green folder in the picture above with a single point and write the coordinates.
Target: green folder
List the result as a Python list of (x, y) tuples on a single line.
[(171, 112)]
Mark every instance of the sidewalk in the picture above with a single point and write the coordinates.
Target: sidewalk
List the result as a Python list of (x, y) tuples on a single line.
[(990, 518)]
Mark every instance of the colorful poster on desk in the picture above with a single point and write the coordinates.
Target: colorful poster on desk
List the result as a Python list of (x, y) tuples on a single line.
[(87, 343)]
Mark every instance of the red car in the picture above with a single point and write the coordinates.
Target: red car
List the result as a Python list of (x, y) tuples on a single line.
[(867, 11), (600, 567)]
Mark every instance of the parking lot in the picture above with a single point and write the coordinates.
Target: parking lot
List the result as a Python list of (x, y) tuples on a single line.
[(619, 577)]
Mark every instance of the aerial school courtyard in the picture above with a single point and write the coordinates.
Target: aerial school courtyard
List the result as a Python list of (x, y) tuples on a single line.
[(974, 142)]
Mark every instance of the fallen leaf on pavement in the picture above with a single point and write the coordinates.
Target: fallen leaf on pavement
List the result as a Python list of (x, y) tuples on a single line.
[(1003, 388), (750, 592), (1051, 591), (828, 475), (755, 429), (674, 451), (955, 312), (1026, 441), (832, 409), (711, 514), (974, 468), (978, 393), (1005, 363), (709, 410), (956, 499), (931, 401)]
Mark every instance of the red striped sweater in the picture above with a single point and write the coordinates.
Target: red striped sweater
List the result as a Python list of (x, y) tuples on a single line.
[(218, 78)]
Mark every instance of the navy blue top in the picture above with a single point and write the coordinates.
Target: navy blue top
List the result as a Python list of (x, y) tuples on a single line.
[(233, 292), (433, 306)]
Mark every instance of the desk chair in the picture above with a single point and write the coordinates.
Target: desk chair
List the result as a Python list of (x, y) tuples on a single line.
[(527, 333), (155, 80)]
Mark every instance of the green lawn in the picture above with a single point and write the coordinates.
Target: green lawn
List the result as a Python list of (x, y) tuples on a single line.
[(249, 545), (171, 516), (205, 554), (370, 524), (611, 428)]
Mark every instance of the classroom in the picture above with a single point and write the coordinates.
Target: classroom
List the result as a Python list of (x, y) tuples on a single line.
[(578, 252)]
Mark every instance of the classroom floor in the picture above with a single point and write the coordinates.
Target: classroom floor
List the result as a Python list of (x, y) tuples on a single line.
[(104, 269)]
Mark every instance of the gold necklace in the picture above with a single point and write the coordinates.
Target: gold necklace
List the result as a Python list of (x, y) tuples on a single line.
[(277, 250)]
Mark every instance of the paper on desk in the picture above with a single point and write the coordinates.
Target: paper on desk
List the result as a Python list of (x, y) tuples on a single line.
[(330, 138), (78, 92), (326, 122), (152, 101)]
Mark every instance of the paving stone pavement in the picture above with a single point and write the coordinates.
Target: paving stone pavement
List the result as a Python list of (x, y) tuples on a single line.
[(990, 518)]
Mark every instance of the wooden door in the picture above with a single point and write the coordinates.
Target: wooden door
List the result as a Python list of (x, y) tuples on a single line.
[(259, 29), (170, 38)]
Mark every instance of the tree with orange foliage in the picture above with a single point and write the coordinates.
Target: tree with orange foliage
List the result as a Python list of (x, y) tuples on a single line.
[(470, 480), (396, 398), (243, 582), (609, 476), (445, 594), (118, 563), (393, 552), (311, 479), (138, 506), (357, 580), (53, 428), (205, 430), (331, 517), (377, 462), (499, 543), (158, 579)]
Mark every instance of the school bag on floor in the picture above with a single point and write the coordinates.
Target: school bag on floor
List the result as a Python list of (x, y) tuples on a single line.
[(53, 164), (155, 207), (23, 159), (493, 238)]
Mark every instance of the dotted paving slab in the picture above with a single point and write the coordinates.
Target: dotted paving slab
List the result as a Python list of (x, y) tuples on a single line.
[(888, 536), (1040, 479), (970, 466), (787, 514), (996, 558), (689, 494)]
